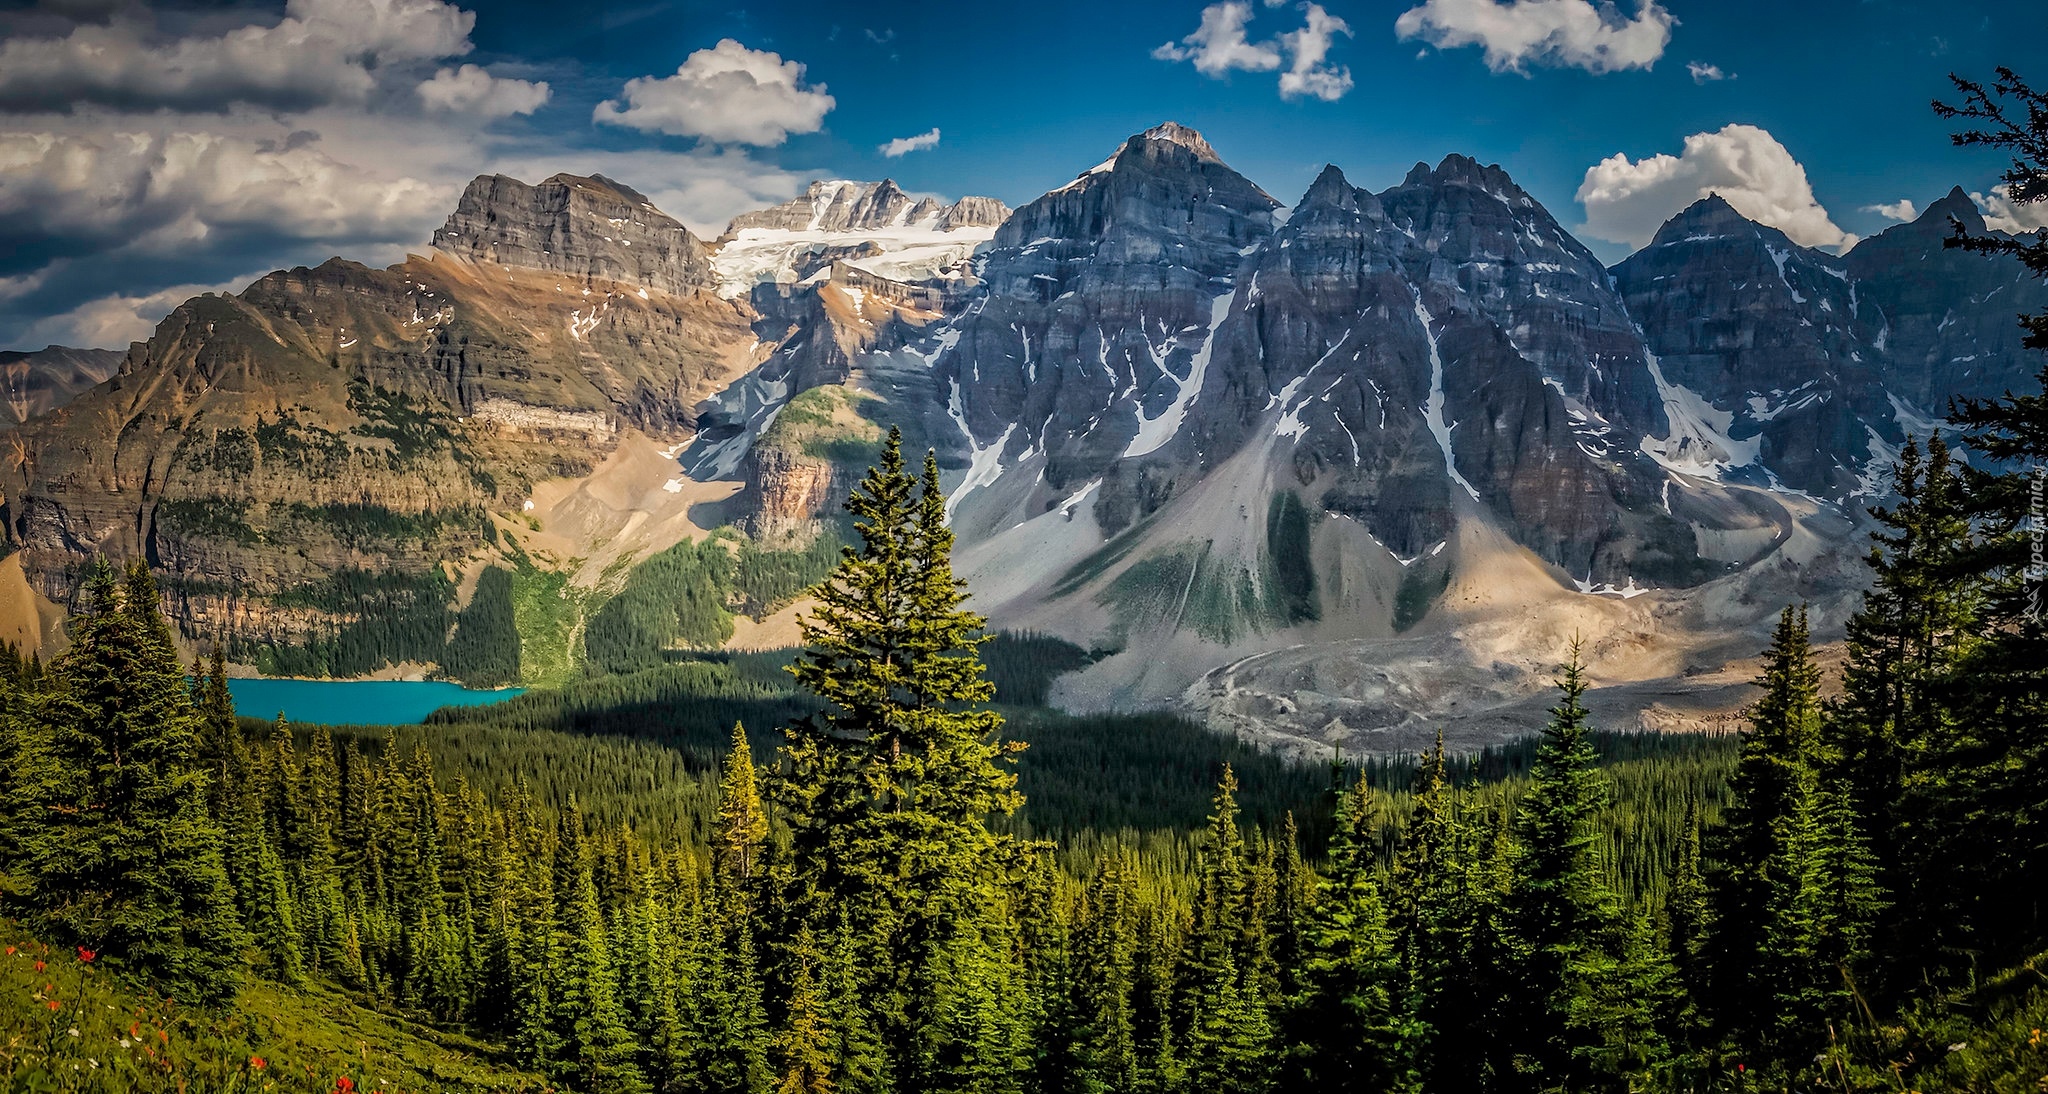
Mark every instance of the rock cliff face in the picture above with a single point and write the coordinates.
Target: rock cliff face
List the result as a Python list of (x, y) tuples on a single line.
[(36, 383), (1094, 335), (343, 419), (591, 228)]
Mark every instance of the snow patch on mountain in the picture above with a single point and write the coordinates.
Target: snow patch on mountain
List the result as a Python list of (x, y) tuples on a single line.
[(1433, 410), (1697, 443), (1153, 433)]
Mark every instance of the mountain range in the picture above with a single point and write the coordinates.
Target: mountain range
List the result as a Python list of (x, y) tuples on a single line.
[(1340, 472)]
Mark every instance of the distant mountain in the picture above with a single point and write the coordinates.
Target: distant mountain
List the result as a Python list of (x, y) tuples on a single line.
[(1337, 473), (42, 380)]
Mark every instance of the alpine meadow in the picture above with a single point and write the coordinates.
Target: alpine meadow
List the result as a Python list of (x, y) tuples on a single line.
[(1017, 631)]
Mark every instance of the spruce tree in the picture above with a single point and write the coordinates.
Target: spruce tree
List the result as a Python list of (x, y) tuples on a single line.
[(1350, 1027), (1982, 801), (888, 790), (1583, 987), (128, 861)]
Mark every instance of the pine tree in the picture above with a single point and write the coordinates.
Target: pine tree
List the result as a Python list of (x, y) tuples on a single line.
[(1228, 1025), (888, 791), (803, 1046), (1578, 965), (742, 825), (1793, 903), (129, 861), (597, 1052), (1349, 1027)]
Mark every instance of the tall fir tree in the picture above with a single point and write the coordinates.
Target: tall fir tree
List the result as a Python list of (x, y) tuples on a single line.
[(127, 860), (1351, 1024)]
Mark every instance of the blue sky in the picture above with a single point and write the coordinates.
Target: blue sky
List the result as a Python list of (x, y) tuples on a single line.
[(152, 151)]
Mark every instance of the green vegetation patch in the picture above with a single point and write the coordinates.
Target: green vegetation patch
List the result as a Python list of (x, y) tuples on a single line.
[(390, 618), (676, 599), (825, 423), (1291, 570), (484, 650)]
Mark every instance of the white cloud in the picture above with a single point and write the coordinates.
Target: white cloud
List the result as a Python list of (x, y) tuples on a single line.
[(1309, 74), (1901, 210), (919, 143), (322, 51), (471, 90), (2003, 214), (1563, 33), (1704, 73), (728, 94), (1219, 44), (141, 189), (113, 321), (1626, 201)]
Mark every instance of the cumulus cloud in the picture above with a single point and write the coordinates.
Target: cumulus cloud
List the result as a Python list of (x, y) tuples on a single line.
[(919, 143), (1561, 33), (114, 320), (1901, 210), (2005, 215), (1219, 44), (1309, 73), (322, 51), (727, 94), (471, 90), (1626, 201), (1704, 73), (70, 192)]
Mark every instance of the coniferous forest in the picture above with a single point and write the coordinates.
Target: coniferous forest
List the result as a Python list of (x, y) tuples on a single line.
[(861, 897)]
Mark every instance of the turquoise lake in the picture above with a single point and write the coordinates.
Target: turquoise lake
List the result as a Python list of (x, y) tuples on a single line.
[(355, 702)]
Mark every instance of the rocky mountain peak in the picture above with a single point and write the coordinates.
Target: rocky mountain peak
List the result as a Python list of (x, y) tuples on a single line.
[(1330, 190), (1176, 133), (586, 226), (841, 205), (1710, 217), (1958, 205)]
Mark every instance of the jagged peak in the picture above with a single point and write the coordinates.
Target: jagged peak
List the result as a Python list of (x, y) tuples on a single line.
[(1176, 133), (1708, 217), (1330, 189), (1955, 204)]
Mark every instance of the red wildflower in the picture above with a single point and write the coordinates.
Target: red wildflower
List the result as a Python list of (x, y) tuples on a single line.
[(344, 1085), (10, 951), (1739, 1069), (53, 1004), (87, 955), (135, 1031), (258, 1063), (39, 966)]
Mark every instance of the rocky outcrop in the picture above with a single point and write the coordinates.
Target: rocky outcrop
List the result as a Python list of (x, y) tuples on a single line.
[(33, 383), (589, 228)]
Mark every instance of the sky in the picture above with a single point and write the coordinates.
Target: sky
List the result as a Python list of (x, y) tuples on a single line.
[(153, 151)]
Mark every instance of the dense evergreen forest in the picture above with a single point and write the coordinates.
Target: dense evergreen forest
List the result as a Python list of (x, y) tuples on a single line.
[(1849, 897)]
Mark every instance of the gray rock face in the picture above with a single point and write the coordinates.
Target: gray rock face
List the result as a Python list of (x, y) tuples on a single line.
[(1447, 337), (1945, 316), (836, 205), (40, 381), (1822, 365), (1092, 340), (589, 228)]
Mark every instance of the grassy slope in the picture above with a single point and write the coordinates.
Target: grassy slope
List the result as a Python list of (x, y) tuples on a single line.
[(105, 1036)]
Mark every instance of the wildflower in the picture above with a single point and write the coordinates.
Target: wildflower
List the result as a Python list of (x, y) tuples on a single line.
[(74, 1031), (135, 1030), (258, 1063), (10, 951), (123, 1042), (39, 966), (345, 1085), (86, 955), (54, 1005), (1959, 1046)]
